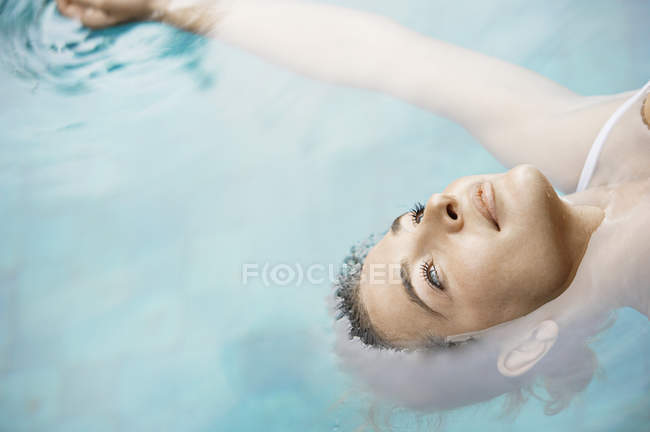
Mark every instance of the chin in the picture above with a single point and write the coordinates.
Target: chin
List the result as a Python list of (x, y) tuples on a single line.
[(527, 174), (530, 190), (529, 180)]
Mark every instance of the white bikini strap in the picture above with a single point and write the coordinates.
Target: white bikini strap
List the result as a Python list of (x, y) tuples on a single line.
[(597, 146)]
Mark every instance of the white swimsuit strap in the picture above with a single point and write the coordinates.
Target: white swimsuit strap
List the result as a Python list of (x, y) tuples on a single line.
[(597, 146)]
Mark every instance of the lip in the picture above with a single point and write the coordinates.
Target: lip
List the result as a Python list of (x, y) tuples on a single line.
[(483, 200)]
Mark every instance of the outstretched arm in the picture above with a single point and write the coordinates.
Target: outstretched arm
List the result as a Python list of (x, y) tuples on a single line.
[(518, 115)]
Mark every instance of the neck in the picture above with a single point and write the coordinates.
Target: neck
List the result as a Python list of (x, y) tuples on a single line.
[(582, 221), (601, 280), (611, 270)]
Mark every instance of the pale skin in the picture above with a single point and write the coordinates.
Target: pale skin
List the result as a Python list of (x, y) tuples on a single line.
[(487, 274), (539, 237)]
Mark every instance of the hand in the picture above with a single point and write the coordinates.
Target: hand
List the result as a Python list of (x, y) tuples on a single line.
[(98, 14)]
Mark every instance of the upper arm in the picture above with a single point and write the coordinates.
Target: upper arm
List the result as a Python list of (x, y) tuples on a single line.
[(517, 114)]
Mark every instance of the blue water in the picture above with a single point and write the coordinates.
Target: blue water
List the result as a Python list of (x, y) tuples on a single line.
[(141, 168)]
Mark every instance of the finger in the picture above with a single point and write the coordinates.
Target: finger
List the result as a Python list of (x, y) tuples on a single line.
[(97, 4), (74, 11), (67, 9), (62, 5), (103, 5), (97, 19)]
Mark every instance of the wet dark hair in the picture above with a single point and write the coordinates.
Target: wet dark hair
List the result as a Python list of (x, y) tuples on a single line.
[(349, 305), (348, 302)]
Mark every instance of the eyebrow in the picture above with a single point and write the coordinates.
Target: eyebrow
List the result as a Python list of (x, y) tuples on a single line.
[(396, 225), (410, 291)]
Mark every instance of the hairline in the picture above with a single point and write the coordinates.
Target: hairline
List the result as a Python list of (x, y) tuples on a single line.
[(350, 304)]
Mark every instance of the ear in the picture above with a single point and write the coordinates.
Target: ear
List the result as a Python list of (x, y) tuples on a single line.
[(530, 349)]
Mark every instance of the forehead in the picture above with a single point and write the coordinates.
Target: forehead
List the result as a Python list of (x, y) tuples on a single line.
[(393, 315)]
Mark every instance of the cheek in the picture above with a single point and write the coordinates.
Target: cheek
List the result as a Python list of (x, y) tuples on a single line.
[(539, 254), (483, 302), (504, 280), (478, 280), (531, 263)]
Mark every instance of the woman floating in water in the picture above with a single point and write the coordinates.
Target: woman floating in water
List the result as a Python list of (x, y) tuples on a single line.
[(499, 260)]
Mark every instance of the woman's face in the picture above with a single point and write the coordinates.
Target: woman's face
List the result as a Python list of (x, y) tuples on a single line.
[(488, 249)]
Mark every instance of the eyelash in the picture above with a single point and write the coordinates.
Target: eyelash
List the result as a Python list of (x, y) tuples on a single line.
[(426, 269), (416, 215), (416, 212)]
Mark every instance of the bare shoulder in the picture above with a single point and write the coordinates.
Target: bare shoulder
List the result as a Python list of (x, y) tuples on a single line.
[(558, 142), (625, 157), (557, 139)]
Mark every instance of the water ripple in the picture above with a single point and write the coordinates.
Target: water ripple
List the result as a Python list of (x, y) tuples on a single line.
[(40, 45)]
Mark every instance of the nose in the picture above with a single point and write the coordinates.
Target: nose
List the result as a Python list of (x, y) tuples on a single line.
[(444, 211)]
